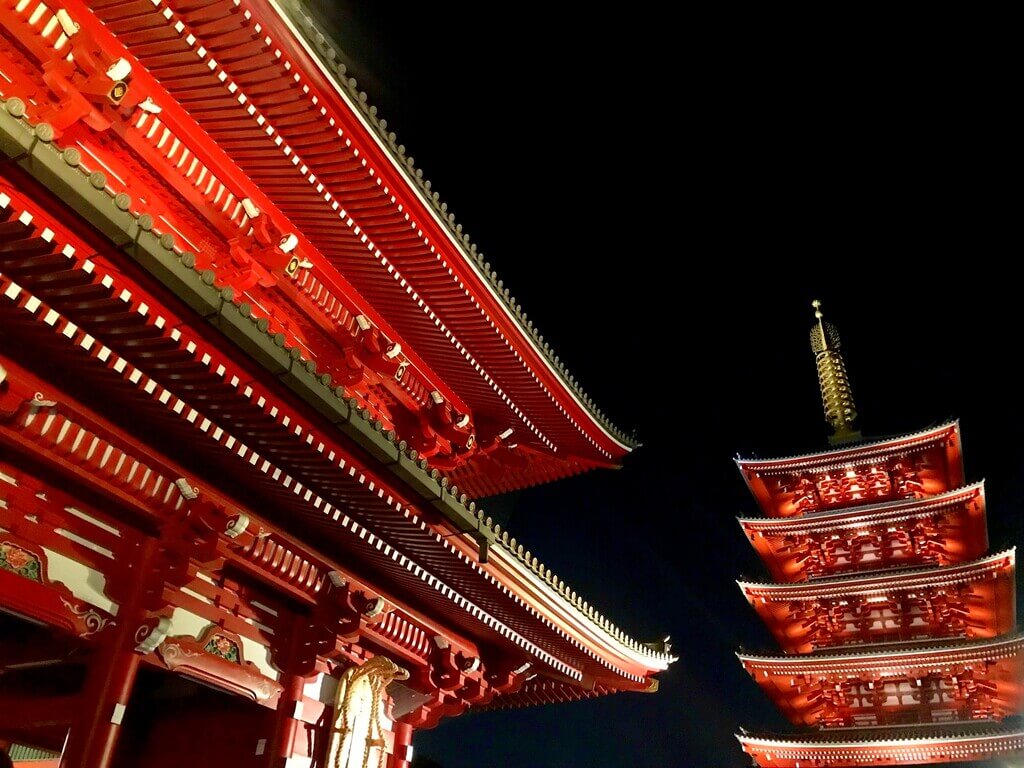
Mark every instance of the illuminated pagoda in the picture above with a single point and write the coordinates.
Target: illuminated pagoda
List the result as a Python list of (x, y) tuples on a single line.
[(253, 377), (898, 631)]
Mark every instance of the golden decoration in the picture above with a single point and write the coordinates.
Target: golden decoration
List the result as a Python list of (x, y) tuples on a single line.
[(836, 394)]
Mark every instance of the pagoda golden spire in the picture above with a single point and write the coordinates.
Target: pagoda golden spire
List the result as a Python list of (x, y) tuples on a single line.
[(836, 395)]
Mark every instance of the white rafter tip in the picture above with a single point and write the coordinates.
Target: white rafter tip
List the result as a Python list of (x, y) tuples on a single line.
[(250, 208), (67, 24), (363, 322), (289, 242), (186, 490), (150, 106), (437, 397), (119, 70)]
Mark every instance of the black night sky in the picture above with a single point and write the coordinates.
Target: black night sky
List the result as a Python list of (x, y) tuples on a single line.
[(665, 199)]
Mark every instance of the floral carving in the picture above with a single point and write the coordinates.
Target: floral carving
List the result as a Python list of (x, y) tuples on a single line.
[(20, 561), (217, 659), (225, 647)]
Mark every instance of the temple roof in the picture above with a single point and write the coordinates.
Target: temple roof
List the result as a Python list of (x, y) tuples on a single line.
[(513, 583), (327, 56)]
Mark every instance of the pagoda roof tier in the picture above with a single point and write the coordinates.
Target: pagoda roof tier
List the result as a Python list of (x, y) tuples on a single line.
[(236, 409), (259, 157), (878, 685), (974, 599), (909, 745), (937, 530), (920, 464)]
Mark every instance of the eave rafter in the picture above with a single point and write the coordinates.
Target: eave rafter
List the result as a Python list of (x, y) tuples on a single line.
[(880, 583)]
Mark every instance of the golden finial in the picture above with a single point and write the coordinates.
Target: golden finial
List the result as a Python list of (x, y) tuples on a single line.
[(836, 395)]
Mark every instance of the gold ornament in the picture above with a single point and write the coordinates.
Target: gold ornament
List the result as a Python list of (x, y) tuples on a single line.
[(836, 394)]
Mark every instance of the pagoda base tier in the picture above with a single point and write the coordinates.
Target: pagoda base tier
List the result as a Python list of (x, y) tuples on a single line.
[(902, 745)]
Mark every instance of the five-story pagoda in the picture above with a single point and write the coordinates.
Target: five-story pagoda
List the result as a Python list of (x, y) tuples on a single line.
[(898, 631)]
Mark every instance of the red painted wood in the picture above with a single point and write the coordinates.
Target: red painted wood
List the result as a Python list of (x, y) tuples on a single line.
[(111, 675)]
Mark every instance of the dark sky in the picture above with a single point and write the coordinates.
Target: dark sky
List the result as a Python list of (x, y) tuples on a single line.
[(665, 198)]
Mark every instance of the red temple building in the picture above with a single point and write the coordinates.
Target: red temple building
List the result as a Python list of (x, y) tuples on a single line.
[(897, 630), (253, 377)]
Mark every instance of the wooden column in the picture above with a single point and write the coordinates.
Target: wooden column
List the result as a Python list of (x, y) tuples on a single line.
[(111, 675), (286, 727)]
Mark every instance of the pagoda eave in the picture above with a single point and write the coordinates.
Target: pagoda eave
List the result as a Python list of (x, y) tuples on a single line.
[(947, 433), (973, 600), (921, 464), (944, 529), (956, 680), (882, 581), (887, 656), (854, 748)]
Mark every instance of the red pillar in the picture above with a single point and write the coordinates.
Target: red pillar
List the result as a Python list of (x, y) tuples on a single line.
[(403, 746), (110, 678), (286, 727)]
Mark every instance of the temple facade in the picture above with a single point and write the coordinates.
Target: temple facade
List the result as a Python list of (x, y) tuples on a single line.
[(897, 627), (254, 378)]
